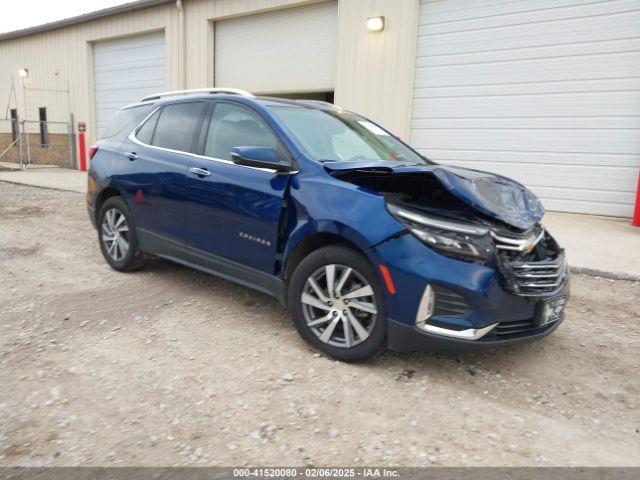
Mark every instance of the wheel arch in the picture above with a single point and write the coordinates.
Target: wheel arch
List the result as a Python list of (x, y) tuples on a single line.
[(103, 196), (308, 244)]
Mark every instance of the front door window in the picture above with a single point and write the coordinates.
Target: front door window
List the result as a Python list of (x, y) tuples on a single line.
[(236, 126)]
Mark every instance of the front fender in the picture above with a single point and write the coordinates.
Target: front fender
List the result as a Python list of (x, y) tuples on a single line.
[(320, 203)]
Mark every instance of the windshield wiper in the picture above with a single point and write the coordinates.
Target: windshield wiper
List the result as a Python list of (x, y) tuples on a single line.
[(410, 164), (380, 161)]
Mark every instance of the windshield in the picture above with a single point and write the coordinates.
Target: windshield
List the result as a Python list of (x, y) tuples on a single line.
[(335, 136)]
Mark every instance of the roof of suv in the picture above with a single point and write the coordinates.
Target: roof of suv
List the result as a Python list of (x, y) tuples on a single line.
[(229, 93)]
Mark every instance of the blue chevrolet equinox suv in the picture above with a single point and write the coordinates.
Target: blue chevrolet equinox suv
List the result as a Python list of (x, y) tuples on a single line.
[(366, 241)]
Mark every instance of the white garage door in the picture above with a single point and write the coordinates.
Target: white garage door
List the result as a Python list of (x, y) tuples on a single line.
[(124, 71), (544, 91), (292, 50)]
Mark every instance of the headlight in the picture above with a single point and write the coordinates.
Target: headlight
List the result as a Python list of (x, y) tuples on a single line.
[(454, 239)]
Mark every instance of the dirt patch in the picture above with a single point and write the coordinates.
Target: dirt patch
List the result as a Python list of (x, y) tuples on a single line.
[(20, 211), (168, 366), (19, 251)]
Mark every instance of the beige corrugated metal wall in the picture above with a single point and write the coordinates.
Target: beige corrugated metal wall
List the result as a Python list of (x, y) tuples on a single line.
[(63, 57), (374, 71)]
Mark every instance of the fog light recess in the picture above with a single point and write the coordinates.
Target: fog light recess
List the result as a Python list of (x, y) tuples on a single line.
[(426, 307)]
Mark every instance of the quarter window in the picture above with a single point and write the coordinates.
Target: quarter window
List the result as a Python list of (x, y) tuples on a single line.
[(145, 132), (124, 121), (177, 125), (236, 126)]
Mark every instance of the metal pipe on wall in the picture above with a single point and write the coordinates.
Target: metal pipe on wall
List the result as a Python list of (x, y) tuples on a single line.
[(182, 46)]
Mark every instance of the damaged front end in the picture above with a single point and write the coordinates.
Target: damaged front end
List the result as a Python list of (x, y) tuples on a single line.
[(532, 264), (470, 216)]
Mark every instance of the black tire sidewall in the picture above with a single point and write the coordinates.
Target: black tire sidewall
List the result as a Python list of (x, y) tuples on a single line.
[(133, 257), (342, 255)]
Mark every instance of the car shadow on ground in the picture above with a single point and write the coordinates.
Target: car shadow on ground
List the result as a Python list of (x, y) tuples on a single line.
[(209, 288)]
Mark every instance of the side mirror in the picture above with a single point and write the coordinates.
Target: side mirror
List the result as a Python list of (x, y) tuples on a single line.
[(260, 157)]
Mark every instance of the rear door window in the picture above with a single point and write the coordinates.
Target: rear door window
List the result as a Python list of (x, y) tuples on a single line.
[(176, 126)]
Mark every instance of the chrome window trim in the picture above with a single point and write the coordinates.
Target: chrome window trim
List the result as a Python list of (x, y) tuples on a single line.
[(134, 139)]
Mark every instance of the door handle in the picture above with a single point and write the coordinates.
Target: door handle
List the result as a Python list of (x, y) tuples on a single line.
[(131, 156), (201, 172)]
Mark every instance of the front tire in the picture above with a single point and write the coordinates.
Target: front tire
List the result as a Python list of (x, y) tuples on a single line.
[(117, 236), (338, 305)]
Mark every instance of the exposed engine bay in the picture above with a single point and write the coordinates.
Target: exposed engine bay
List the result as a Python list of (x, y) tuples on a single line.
[(471, 216)]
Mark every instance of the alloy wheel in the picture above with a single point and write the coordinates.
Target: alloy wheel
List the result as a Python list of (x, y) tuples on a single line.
[(339, 306), (115, 234)]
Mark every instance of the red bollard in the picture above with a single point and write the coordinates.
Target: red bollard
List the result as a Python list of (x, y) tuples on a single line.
[(82, 149), (636, 213)]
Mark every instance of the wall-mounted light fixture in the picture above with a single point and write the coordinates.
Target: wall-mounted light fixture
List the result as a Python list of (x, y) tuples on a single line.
[(375, 24), (23, 72)]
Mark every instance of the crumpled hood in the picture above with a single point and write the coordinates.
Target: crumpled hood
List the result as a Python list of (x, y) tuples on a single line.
[(493, 195)]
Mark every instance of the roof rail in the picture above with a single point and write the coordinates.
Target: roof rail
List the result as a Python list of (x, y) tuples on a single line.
[(320, 103), (231, 91)]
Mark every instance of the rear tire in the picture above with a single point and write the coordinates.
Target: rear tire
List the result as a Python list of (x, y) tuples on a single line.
[(348, 321), (117, 236)]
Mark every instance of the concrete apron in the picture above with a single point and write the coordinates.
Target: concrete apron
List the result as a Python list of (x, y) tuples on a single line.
[(595, 245)]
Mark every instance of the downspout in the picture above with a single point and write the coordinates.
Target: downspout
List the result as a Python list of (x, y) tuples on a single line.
[(636, 212), (182, 46)]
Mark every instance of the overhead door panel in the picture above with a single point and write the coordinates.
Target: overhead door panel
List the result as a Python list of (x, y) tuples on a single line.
[(544, 91), (291, 50), (124, 71)]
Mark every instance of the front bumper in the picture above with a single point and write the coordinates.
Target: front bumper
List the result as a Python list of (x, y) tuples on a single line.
[(413, 266), (406, 338)]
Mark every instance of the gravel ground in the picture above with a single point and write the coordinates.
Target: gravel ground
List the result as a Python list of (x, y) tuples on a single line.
[(168, 366)]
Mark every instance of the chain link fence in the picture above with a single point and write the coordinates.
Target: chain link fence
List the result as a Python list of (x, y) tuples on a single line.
[(29, 143), (10, 142), (37, 140)]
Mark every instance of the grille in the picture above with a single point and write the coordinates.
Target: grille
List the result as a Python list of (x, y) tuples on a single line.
[(514, 327), (524, 242), (450, 304), (534, 278), (532, 263)]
